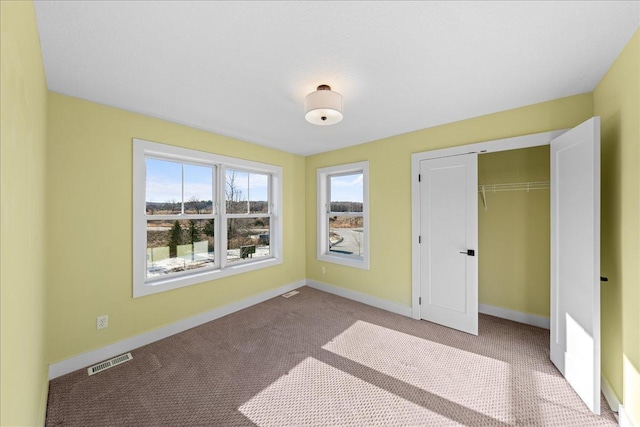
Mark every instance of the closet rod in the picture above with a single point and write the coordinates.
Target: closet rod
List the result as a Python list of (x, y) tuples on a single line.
[(537, 185)]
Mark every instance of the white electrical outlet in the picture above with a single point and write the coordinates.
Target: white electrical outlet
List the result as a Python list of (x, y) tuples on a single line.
[(324, 270), (102, 322)]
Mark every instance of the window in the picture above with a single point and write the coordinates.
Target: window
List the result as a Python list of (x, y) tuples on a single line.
[(200, 216), (248, 216), (343, 214)]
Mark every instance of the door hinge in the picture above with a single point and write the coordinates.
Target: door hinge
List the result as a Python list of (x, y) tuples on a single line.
[(419, 178), (419, 300), (419, 239)]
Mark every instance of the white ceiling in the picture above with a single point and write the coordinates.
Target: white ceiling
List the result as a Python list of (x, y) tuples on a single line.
[(242, 69)]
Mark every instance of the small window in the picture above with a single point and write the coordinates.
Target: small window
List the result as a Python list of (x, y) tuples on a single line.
[(200, 216), (343, 229)]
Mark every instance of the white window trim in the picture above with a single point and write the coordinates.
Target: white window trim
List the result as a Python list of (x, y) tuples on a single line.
[(323, 253), (143, 149)]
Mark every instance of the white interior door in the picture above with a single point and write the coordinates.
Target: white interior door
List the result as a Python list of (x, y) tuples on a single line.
[(575, 259), (449, 241)]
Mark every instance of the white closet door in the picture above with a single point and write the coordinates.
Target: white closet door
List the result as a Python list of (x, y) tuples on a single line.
[(449, 241), (575, 259)]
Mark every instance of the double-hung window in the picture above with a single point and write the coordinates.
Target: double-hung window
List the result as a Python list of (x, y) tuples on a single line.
[(343, 214), (248, 215), (200, 216)]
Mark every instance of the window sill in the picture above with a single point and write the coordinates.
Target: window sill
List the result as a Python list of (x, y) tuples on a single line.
[(162, 285), (345, 260)]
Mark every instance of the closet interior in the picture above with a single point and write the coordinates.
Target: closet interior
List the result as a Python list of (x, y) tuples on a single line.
[(514, 230)]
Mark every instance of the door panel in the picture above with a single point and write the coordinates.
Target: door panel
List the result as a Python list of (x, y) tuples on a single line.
[(575, 259), (449, 280)]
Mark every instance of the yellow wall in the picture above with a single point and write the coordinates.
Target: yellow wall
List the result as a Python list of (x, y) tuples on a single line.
[(90, 226), (84, 243), (514, 232), (390, 188), (22, 194), (616, 100)]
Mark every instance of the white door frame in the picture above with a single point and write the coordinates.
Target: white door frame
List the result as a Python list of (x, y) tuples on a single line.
[(525, 141)]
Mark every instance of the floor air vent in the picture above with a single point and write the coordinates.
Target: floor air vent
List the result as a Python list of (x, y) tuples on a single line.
[(109, 363), (290, 294)]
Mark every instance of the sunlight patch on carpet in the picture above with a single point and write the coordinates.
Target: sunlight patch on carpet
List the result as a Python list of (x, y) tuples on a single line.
[(468, 379), (316, 394)]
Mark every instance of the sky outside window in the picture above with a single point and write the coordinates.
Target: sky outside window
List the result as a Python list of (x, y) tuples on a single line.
[(164, 181), (246, 186), (347, 188)]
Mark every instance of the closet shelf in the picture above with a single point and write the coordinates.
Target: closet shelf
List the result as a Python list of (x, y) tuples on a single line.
[(514, 186), (537, 185)]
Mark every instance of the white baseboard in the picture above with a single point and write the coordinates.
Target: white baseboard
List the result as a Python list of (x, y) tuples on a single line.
[(360, 297), (624, 420), (516, 316), (95, 356), (609, 394)]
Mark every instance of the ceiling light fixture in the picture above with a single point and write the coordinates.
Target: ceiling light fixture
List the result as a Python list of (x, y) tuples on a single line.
[(323, 107)]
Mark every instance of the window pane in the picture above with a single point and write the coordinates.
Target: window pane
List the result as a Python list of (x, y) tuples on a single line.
[(198, 189), (163, 187), (237, 191), (258, 193), (248, 238), (179, 245), (346, 192), (346, 235)]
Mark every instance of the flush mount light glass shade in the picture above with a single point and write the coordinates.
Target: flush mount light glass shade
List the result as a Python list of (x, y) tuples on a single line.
[(323, 107)]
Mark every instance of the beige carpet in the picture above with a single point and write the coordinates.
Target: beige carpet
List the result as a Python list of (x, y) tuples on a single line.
[(320, 360)]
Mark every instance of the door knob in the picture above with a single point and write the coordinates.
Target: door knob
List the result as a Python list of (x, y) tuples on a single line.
[(469, 252)]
